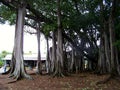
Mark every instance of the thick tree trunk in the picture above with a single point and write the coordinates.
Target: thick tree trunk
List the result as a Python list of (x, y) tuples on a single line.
[(18, 71), (114, 66), (59, 63), (107, 53), (104, 54), (112, 49), (38, 67), (101, 61)]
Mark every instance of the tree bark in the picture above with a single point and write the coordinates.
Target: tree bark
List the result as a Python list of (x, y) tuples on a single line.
[(38, 67), (107, 53), (101, 62), (104, 55), (113, 52), (73, 60), (53, 58), (59, 63), (48, 57), (18, 71)]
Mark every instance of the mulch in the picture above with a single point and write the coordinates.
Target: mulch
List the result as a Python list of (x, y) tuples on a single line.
[(81, 81)]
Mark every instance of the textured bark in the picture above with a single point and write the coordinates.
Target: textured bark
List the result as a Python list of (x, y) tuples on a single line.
[(104, 54), (112, 49), (115, 68), (59, 63), (101, 61), (107, 53), (113, 52), (18, 70), (48, 57), (53, 58), (12, 64), (73, 60), (39, 67)]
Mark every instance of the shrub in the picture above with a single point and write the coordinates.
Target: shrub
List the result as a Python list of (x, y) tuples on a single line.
[(1, 63)]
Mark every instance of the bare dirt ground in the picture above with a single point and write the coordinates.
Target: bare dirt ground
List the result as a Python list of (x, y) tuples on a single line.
[(82, 81)]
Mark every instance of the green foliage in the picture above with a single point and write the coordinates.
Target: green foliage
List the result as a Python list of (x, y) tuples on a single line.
[(117, 44), (76, 15), (2, 56), (2, 21), (1, 63), (7, 14), (49, 27)]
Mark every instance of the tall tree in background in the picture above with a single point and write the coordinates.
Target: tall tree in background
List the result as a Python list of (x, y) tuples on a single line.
[(53, 54), (39, 69)]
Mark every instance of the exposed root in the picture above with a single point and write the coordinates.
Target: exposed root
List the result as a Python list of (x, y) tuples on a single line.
[(28, 77), (16, 75), (13, 77), (10, 75), (117, 79), (39, 73), (104, 81), (58, 75), (13, 81)]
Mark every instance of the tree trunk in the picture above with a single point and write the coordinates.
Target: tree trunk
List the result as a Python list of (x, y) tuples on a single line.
[(48, 57), (114, 66), (53, 58), (107, 53), (18, 71), (38, 67), (101, 61), (104, 55), (73, 60), (59, 63), (111, 43)]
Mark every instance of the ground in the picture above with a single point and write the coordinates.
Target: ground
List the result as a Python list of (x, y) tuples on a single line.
[(81, 81)]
